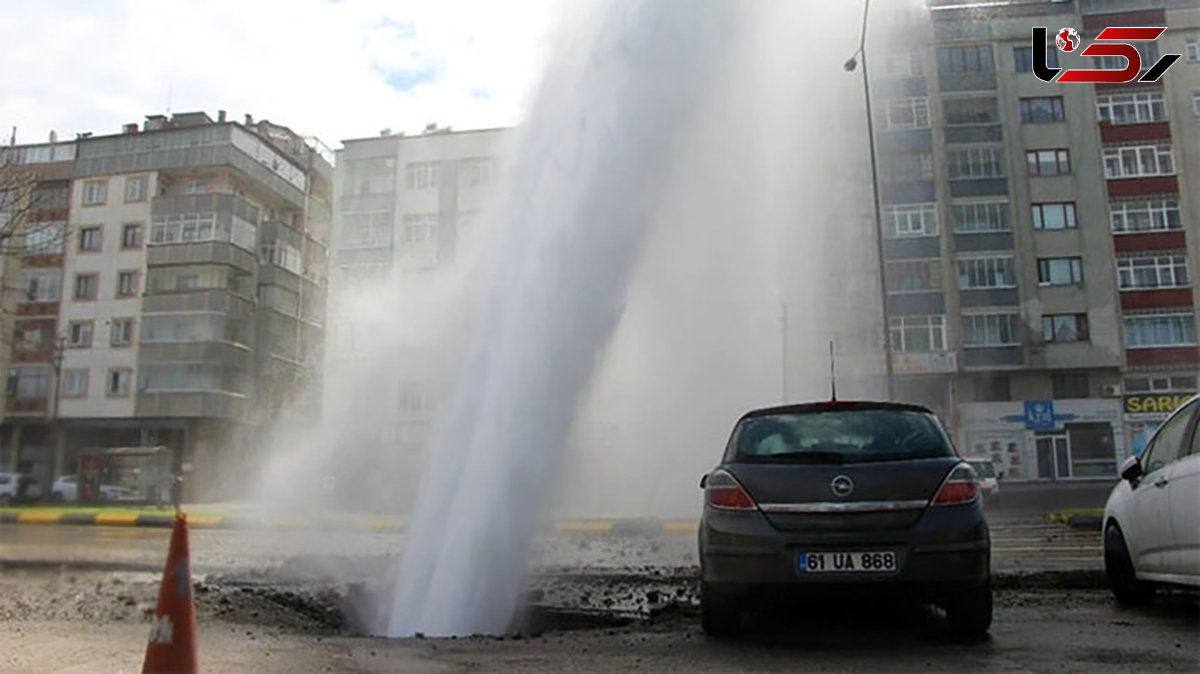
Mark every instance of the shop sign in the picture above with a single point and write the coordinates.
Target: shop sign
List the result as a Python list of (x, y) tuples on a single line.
[(1155, 403)]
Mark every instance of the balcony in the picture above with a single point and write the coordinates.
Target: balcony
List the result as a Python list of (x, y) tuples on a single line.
[(1134, 242), (223, 354), (213, 299), (30, 407), (1161, 298), (194, 404), (1134, 187), (1162, 356), (1124, 133), (37, 309), (211, 252)]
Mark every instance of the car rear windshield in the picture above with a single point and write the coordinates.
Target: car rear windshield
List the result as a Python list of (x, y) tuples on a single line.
[(846, 436)]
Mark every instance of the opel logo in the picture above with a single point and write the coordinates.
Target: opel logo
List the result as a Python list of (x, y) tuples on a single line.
[(842, 485)]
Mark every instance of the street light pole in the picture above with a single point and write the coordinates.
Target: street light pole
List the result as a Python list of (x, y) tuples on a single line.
[(850, 65)]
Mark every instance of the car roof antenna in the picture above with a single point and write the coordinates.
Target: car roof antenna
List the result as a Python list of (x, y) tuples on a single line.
[(832, 376)]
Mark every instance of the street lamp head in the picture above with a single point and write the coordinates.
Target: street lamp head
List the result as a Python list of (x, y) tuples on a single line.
[(850, 64)]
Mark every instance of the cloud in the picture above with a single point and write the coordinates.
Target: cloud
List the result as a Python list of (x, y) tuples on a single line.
[(334, 69)]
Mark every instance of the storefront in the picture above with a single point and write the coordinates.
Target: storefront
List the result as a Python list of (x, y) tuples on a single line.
[(1045, 439), (1145, 411)]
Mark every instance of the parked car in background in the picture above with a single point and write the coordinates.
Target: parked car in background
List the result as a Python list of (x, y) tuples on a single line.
[(986, 470), (1152, 518), (839, 498), (66, 490), (18, 488)]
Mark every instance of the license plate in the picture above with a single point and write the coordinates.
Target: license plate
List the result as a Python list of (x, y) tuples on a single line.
[(846, 562)]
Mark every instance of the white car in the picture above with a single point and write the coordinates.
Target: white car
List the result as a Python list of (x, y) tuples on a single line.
[(17, 487), (986, 470), (65, 489), (1152, 518)]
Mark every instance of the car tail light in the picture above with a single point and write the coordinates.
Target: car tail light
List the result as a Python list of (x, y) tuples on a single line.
[(722, 490), (960, 486)]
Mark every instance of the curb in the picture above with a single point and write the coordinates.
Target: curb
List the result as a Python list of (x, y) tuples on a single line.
[(640, 526), (1076, 520)]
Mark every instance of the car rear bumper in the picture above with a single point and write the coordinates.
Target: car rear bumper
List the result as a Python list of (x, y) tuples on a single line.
[(948, 548)]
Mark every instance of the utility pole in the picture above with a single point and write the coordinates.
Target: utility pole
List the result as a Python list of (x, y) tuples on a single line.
[(850, 65), (56, 360)]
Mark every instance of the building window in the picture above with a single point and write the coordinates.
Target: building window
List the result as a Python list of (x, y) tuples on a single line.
[(74, 383), (118, 381), (905, 220), (1135, 108), (1060, 271), (903, 64), (976, 162), (972, 217), (986, 272), (476, 171), (1048, 162), (1065, 328), (45, 238), (918, 333), (992, 388), (135, 189), (1196, 102), (367, 229), (95, 192), (420, 228), (376, 175), (989, 329), (906, 276), (85, 286), (38, 285), (1054, 215), (1147, 331), (131, 236), (1147, 50), (967, 111), (122, 332), (28, 381), (1193, 51), (89, 238), (196, 187), (421, 175), (906, 167), (1145, 215), (1042, 110), (966, 59), (1162, 384), (185, 228), (79, 334), (1065, 385), (1023, 57), (1137, 161), (905, 113), (1164, 271), (127, 284)]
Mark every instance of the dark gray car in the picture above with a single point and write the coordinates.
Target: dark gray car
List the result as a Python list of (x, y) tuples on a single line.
[(843, 497)]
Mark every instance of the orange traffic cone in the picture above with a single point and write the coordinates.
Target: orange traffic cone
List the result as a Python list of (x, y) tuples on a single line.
[(172, 645)]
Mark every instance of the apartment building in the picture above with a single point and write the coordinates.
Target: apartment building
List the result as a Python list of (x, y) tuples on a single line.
[(183, 303), (1041, 239), (405, 204)]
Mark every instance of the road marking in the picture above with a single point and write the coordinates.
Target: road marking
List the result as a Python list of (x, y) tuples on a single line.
[(35, 517), (117, 519)]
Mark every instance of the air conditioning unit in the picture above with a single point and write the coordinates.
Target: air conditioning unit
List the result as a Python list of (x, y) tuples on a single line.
[(1110, 390)]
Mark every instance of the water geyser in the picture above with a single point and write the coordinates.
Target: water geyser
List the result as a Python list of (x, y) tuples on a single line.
[(595, 152)]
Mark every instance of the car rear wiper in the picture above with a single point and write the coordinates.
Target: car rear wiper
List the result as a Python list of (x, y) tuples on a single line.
[(796, 457)]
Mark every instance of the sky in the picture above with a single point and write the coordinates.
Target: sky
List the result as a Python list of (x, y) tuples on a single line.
[(337, 69)]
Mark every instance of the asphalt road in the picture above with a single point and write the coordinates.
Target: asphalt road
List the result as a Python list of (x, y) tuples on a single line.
[(1046, 631)]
